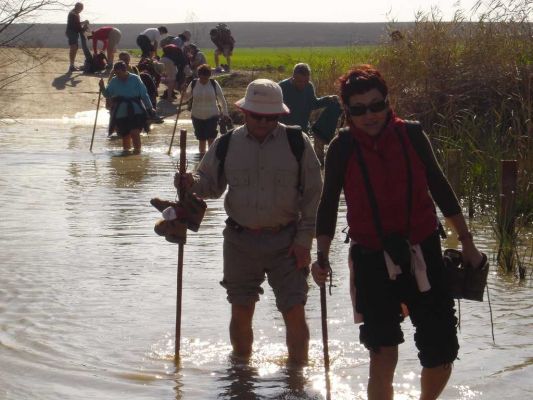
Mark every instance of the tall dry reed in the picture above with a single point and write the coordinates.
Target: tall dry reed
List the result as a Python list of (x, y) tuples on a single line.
[(470, 84)]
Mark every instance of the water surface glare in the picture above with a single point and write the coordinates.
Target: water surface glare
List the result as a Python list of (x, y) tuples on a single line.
[(88, 291)]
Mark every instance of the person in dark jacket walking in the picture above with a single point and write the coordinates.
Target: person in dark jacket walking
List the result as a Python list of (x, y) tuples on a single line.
[(299, 95), (391, 179)]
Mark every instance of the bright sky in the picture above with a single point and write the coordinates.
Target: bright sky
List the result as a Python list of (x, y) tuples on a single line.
[(175, 11)]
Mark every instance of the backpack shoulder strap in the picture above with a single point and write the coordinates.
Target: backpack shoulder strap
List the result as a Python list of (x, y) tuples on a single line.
[(415, 134), (222, 150), (346, 144), (297, 145), (193, 84), (296, 141), (214, 84)]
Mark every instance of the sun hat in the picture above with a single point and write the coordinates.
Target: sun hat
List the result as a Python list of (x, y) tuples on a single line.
[(263, 96)]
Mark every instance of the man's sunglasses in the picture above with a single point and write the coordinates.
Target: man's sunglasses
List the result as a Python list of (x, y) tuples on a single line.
[(259, 117), (357, 111)]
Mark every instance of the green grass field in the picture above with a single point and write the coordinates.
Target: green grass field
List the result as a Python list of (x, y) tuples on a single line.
[(284, 58), (327, 63)]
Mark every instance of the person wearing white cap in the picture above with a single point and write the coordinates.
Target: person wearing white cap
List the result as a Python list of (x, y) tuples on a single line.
[(271, 205)]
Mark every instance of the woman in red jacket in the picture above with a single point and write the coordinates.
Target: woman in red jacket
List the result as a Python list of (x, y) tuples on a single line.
[(110, 38), (390, 180)]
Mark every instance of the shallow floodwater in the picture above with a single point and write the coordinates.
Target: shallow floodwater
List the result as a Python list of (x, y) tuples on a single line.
[(88, 290)]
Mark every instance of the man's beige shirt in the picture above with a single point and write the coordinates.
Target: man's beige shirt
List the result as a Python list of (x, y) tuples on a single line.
[(262, 181)]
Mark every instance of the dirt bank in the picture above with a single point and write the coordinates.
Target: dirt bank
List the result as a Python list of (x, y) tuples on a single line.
[(48, 91)]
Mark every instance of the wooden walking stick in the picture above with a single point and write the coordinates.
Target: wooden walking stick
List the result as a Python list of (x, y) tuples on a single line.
[(95, 118), (324, 315), (181, 246), (176, 122)]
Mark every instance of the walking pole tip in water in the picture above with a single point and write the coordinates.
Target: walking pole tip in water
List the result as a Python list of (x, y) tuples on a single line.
[(100, 83), (324, 263), (176, 122), (181, 246)]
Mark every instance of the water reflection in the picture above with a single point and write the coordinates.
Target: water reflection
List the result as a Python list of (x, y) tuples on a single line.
[(239, 381), (87, 288), (128, 170)]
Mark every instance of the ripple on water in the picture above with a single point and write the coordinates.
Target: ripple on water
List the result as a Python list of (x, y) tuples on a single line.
[(88, 291)]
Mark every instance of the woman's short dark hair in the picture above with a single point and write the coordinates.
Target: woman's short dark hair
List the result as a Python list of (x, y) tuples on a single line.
[(204, 70), (162, 29), (360, 79), (120, 66)]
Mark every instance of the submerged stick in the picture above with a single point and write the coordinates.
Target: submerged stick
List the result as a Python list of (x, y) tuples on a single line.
[(324, 317), (181, 248), (95, 118), (176, 122)]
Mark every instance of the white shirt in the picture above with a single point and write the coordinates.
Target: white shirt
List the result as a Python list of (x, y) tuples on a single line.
[(204, 104), (152, 34)]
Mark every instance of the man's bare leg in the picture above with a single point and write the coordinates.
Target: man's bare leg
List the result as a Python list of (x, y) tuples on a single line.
[(297, 335), (240, 329)]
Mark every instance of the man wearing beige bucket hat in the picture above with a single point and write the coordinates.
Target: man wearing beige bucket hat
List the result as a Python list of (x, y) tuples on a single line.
[(271, 205)]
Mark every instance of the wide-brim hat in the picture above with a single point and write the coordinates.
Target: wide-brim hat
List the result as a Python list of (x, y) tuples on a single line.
[(263, 96)]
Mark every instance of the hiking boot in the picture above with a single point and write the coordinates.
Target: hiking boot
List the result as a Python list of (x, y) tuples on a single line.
[(476, 280), (219, 70), (465, 281), (174, 231), (162, 204), (194, 210), (190, 211), (73, 68)]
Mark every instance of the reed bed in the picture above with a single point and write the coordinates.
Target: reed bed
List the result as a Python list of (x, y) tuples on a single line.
[(470, 84)]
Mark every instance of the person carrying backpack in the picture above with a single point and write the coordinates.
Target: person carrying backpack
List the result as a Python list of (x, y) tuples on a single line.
[(131, 106), (299, 95), (390, 177), (225, 43), (196, 58), (208, 105), (274, 183), (110, 37), (148, 40)]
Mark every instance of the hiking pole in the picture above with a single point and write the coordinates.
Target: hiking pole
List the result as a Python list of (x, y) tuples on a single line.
[(176, 123), (95, 118), (324, 316), (181, 247)]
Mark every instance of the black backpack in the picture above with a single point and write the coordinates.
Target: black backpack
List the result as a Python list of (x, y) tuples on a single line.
[(296, 143), (95, 63), (221, 36)]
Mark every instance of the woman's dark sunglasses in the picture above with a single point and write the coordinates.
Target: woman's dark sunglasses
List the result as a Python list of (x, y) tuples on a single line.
[(259, 117), (357, 111)]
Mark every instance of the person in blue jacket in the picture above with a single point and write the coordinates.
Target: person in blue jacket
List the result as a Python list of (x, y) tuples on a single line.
[(299, 95), (131, 106)]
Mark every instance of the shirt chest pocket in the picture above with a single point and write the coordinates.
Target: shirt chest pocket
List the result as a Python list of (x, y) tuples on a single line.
[(286, 192), (239, 187)]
